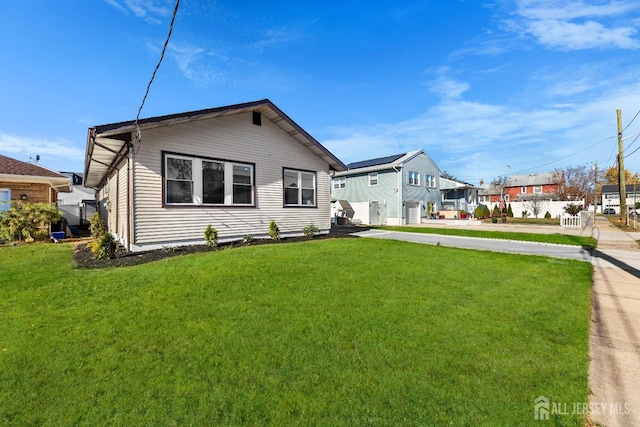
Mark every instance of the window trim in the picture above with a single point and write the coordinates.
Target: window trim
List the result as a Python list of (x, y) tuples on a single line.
[(537, 189), (5, 205), (523, 190), (340, 183), (377, 180), (196, 176), (315, 189), (413, 178)]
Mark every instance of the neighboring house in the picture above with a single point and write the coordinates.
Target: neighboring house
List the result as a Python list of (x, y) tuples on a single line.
[(236, 167), (393, 190), (80, 204), (611, 197), (458, 195), (521, 188), (29, 182)]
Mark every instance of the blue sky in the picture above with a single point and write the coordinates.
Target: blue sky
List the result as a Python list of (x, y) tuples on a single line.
[(487, 88)]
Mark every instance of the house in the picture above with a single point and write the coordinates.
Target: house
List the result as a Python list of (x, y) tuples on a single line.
[(79, 205), (393, 190), (29, 182), (611, 197), (522, 188), (458, 195), (237, 167)]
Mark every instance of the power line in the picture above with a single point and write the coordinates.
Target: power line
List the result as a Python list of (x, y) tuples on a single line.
[(164, 49), (629, 124)]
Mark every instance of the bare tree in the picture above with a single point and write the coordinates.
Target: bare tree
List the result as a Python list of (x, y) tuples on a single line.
[(575, 183), (536, 204)]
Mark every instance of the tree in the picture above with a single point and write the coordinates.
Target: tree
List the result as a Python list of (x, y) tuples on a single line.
[(28, 220), (447, 175), (575, 183), (536, 204), (610, 176)]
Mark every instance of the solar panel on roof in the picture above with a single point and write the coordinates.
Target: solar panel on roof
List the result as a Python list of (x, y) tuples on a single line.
[(374, 162)]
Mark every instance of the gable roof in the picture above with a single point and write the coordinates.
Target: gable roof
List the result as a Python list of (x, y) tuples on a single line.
[(541, 178), (450, 184), (381, 163), (14, 170), (108, 144)]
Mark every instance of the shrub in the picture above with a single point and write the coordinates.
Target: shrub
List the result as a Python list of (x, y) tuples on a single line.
[(478, 212), (509, 211), (105, 248), (310, 230), (211, 236), (525, 213), (572, 209), (547, 215), (97, 227), (486, 213), (274, 231), (26, 220)]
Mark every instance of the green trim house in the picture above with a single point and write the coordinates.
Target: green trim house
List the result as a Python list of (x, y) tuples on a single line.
[(392, 190)]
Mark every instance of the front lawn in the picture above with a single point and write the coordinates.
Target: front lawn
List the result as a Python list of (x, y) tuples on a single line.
[(329, 332), (558, 239)]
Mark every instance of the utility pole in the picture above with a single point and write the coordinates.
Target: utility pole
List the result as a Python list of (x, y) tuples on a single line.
[(595, 194), (621, 183)]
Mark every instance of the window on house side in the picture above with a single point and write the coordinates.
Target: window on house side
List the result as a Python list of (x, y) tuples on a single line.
[(414, 178), (523, 190), (373, 179), (196, 181), (179, 180), (5, 199), (299, 188), (537, 189), (339, 183)]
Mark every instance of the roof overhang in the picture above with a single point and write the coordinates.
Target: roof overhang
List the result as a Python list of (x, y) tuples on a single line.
[(60, 184), (108, 145)]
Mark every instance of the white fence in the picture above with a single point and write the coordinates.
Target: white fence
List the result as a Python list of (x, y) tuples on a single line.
[(571, 221), (554, 207)]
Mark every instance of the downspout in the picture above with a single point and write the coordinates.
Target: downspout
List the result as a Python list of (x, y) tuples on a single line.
[(131, 197), (398, 170)]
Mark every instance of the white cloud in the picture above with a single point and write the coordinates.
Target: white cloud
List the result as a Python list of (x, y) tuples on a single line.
[(276, 37), (149, 10), (475, 140), (446, 87), (576, 25), (58, 151)]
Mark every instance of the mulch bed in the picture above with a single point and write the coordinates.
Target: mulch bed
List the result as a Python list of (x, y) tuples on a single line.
[(84, 258)]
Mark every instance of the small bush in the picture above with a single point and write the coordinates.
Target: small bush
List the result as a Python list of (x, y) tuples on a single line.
[(97, 227), (105, 248), (478, 212), (525, 213), (28, 220), (211, 236), (310, 230), (274, 231), (547, 215)]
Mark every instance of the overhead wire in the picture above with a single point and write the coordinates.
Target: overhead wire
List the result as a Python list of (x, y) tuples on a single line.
[(155, 70), (629, 124)]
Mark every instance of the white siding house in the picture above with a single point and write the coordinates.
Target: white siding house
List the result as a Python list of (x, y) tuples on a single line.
[(391, 190), (237, 168)]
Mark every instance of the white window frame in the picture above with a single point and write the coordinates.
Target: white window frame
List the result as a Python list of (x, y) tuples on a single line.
[(373, 179), (339, 183), (197, 181), (414, 178), (537, 189), (299, 184), (523, 190)]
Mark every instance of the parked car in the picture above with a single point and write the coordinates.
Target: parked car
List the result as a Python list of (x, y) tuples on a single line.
[(609, 211)]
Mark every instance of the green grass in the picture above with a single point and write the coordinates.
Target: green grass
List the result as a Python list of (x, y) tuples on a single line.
[(328, 332), (559, 239)]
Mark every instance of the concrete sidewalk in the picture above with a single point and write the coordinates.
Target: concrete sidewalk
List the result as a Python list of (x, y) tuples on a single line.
[(614, 342)]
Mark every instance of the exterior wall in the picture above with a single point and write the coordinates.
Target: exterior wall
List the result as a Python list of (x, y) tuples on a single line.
[(231, 138), (36, 193), (421, 193), (514, 192), (358, 191), (72, 206)]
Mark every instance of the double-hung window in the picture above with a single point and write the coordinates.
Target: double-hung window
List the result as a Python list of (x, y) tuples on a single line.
[(414, 178), (537, 189), (5, 199), (198, 181), (373, 179), (339, 183), (299, 188)]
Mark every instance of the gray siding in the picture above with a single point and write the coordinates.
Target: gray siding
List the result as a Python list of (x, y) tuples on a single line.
[(421, 193), (232, 138), (357, 189)]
